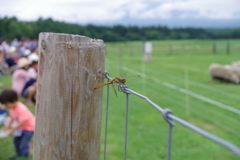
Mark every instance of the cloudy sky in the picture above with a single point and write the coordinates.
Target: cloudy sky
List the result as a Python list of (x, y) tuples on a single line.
[(173, 13)]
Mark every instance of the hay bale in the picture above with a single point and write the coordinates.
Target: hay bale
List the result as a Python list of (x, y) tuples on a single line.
[(223, 73), (236, 68)]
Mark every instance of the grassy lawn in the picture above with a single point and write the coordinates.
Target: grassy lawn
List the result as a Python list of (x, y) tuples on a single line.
[(147, 132)]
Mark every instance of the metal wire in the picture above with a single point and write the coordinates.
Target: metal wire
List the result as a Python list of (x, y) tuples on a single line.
[(169, 117), (165, 114), (211, 101), (147, 99), (211, 137), (124, 87), (126, 129), (106, 125), (214, 138), (170, 142), (200, 113)]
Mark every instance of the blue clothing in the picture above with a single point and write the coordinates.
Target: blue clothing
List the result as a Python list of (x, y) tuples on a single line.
[(33, 45), (28, 83), (21, 143), (10, 62), (3, 111)]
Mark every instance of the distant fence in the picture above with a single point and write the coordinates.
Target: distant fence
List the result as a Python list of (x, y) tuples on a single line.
[(169, 117), (210, 48), (213, 47)]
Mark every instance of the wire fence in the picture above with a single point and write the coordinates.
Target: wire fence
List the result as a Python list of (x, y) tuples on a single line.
[(198, 109), (168, 116)]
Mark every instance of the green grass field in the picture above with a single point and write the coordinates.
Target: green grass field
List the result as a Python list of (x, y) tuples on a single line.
[(147, 132)]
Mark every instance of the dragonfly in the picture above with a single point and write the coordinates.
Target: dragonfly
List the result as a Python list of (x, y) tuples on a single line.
[(118, 80)]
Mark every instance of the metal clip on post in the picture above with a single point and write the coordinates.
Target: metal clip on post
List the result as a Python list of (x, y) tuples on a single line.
[(124, 88), (106, 74), (165, 116), (171, 124)]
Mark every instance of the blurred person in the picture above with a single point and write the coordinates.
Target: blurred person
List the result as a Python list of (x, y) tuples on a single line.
[(1, 55), (25, 123), (35, 51), (2, 62), (26, 53), (21, 50), (4, 69), (10, 58), (14, 42), (33, 44), (33, 58), (5, 47), (19, 81), (26, 42), (12, 52)]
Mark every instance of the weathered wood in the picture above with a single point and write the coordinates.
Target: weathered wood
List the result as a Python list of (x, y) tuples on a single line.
[(68, 111)]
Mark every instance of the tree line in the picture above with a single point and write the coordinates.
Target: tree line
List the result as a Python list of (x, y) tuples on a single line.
[(11, 27)]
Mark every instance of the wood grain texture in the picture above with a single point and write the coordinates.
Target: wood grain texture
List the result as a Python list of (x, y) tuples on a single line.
[(68, 111)]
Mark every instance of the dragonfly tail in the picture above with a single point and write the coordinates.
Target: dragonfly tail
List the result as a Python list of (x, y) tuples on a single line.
[(102, 85)]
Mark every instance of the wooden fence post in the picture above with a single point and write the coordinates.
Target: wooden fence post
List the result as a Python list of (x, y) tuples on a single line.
[(68, 111), (147, 50)]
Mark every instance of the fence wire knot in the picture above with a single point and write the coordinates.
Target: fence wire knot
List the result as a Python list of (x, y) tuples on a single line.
[(124, 88), (165, 114), (106, 74)]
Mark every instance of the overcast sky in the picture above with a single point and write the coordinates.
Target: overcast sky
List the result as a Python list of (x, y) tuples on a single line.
[(173, 13)]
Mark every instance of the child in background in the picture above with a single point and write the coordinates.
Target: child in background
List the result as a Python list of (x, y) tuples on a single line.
[(24, 129)]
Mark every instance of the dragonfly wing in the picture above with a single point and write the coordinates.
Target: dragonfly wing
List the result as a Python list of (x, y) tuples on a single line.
[(114, 89), (134, 78), (120, 87), (124, 75)]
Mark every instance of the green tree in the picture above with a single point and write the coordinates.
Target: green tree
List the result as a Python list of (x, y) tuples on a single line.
[(11, 28)]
